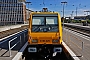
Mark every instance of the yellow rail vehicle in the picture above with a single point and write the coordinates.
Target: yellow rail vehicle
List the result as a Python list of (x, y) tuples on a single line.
[(45, 34)]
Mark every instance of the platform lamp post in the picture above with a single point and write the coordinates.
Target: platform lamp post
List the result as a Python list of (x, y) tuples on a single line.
[(63, 11), (87, 15), (28, 8), (72, 17), (28, 4), (76, 10)]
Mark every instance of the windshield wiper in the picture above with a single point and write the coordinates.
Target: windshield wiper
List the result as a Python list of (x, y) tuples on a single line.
[(51, 28)]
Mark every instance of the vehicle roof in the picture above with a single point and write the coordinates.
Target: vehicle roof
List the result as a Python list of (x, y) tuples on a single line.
[(44, 12)]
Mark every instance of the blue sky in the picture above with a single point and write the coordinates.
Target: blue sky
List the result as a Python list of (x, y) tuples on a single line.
[(82, 5)]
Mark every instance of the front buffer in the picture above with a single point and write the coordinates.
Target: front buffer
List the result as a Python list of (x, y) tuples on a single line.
[(44, 51)]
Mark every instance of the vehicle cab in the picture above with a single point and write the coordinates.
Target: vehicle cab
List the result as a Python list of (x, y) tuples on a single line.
[(45, 33)]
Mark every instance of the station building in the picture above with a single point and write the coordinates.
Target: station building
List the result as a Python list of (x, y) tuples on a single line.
[(12, 12)]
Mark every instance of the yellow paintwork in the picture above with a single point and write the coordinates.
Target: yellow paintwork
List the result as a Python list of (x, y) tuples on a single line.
[(45, 35)]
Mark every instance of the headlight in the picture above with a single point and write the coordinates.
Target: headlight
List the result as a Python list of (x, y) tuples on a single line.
[(55, 41), (34, 41)]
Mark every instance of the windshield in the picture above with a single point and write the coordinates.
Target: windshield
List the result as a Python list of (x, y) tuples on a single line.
[(38, 21), (44, 24)]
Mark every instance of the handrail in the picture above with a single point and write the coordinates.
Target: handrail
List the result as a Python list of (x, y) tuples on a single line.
[(10, 40), (12, 46)]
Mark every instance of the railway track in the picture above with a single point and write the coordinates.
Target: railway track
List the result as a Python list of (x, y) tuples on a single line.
[(84, 29), (12, 31), (78, 31)]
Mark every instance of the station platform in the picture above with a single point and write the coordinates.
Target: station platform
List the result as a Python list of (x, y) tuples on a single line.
[(4, 28), (78, 44), (16, 54), (6, 55)]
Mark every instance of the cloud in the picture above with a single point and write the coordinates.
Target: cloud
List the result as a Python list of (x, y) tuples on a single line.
[(83, 10)]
